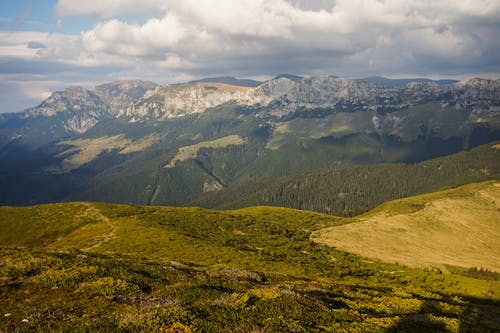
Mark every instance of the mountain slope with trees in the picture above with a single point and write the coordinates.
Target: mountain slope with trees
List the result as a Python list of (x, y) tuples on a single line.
[(116, 142), (356, 189)]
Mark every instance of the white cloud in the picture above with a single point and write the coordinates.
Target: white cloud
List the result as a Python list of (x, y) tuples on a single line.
[(214, 34), (57, 46), (116, 37)]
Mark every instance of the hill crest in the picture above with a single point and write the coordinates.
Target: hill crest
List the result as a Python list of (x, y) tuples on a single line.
[(458, 227)]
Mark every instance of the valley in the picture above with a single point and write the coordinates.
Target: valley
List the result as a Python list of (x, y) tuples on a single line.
[(348, 191)]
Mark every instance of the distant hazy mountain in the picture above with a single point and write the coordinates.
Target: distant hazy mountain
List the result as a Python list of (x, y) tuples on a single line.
[(70, 112), (134, 141), (230, 80), (401, 82), (288, 76)]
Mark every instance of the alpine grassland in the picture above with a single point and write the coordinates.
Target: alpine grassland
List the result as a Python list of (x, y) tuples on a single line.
[(85, 267)]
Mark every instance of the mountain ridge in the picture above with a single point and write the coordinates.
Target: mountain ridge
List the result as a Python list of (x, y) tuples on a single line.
[(283, 86), (229, 80), (88, 143)]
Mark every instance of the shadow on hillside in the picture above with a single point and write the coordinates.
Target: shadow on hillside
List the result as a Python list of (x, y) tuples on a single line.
[(477, 315)]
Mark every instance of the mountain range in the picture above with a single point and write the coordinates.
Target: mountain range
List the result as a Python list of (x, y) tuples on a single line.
[(139, 142)]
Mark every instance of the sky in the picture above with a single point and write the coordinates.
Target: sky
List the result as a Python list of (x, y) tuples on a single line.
[(47, 45)]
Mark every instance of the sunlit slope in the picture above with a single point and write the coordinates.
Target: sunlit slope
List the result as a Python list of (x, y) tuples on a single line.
[(459, 227), (258, 237), (89, 267)]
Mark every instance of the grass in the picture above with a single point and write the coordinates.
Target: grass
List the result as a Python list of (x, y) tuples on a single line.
[(104, 267), (456, 227), (72, 291), (83, 151), (337, 124), (190, 152)]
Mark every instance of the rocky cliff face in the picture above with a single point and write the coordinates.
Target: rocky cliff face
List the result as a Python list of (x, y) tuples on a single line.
[(284, 96), (143, 100), (288, 95), (71, 99), (179, 100), (74, 109), (119, 95)]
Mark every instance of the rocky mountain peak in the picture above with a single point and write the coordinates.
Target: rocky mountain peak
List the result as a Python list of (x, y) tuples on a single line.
[(178, 100), (478, 83), (292, 94), (119, 95), (74, 109), (313, 87), (73, 100), (70, 93), (286, 94), (279, 86)]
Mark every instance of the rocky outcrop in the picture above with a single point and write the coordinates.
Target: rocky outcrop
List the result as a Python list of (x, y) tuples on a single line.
[(179, 100), (119, 95), (75, 110)]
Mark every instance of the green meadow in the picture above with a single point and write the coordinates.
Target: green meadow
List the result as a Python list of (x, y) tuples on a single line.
[(85, 267)]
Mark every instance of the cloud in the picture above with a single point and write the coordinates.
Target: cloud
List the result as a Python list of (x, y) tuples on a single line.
[(32, 64), (35, 45), (17, 94), (10, 65), (107, 9), (346, 37)]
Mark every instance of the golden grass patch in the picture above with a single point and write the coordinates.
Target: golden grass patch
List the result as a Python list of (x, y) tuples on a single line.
[(460, 228)]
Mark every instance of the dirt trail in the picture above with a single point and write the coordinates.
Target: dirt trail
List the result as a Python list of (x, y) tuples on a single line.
[(94, 212)]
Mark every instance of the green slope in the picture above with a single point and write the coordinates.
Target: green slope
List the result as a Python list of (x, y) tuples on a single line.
[(105, 267), (354, 190)]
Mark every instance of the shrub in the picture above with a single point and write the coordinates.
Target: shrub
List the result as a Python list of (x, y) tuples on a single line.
[(66, 278), (107, 286), (176, 328), (21, 265)]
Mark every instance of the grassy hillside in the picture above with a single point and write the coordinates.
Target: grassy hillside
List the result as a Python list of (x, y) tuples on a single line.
[(458, 227), (354, 190), (104, 267)]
